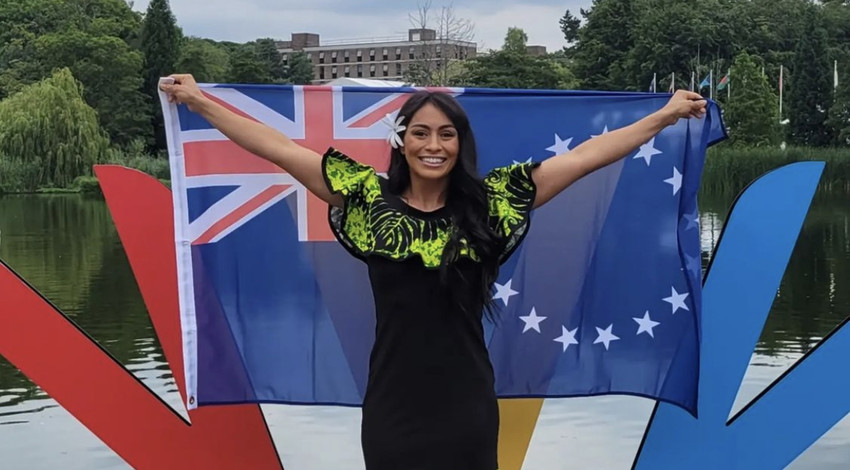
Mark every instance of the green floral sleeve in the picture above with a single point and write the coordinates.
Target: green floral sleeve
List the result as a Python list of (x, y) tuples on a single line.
[(511, 193), (359, 187)]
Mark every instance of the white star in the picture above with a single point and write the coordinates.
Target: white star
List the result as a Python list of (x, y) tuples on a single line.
[(504, 292), (693, 264), (567, 337), (532, 321), (692, 219), (677, 300), (675, 180), (527, 161), (560, 146), (645, 324), (647, 150), (605, 336), (604, 131)]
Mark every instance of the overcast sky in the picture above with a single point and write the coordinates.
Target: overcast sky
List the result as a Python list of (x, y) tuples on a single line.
[(245, 20)]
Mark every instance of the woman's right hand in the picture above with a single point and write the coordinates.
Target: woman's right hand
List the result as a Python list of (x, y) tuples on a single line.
[(184, 90)]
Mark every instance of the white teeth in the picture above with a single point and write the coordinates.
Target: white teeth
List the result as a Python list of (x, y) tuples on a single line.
[(434, 160)]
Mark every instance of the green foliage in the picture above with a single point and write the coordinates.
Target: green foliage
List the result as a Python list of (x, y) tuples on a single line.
[(810, 87), (300, 69), (48, 125), (266, 53), (204, 59), (91, 38), (246, 67), (110, 74), (732, 168), (160, 42), (752, 112), (515, 41), (569, 26), (512, 67), (603, 43), (87, 185), (135, 156)]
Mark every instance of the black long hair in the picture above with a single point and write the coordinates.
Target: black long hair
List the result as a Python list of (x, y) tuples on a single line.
[(466, 198)]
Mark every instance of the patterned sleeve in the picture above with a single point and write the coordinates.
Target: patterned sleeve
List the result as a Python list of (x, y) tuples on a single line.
[(359, 186), (511, 192)]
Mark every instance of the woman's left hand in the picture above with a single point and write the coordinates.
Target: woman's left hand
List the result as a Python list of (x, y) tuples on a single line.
[(683, 104)]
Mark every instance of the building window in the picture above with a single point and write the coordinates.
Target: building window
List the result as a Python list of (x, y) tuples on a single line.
[(411, 53), (359, 56), (321, 73), (398, 69), (386, 70), (333, 75), (386, 54), (345, 58), (439, 51), (415, 36), (347, 70), (397, 53), (359, 70), (333, 57), (371, 54), (372, 71)]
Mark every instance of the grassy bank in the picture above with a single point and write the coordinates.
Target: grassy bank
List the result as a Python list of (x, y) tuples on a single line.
[(21, 177), (730, 170)]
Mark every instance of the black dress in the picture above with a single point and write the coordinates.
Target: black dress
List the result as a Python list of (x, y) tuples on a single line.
[(430, 401)]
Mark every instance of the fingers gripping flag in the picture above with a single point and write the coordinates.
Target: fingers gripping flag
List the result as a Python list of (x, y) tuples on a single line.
[(602, 297)]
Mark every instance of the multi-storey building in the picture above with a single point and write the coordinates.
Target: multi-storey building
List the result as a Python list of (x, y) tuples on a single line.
[(378, 58)]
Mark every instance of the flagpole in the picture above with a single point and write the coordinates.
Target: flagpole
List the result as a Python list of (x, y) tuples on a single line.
[(711, 83), (692, 80), (835, 76), (780, 92), (728, 84)]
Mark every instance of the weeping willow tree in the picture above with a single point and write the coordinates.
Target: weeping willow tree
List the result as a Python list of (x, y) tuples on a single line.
[(48, 128)]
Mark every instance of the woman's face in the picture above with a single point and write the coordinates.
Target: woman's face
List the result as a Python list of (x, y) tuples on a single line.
[(430, 144)]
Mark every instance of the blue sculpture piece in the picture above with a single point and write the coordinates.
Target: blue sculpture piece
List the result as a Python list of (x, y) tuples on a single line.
[(740, 286)]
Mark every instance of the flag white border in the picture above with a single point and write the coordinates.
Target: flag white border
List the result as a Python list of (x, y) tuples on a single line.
[(183, 250)]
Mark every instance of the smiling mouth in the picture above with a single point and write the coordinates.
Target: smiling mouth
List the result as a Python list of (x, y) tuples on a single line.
[(432, 161)]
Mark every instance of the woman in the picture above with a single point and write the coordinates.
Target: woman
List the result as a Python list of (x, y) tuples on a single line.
[(433, 235)]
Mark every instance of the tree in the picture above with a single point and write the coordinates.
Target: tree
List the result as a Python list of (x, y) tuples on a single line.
[(110, 73), (300, 69), (569, 26), (90, 37), (49, 127), (433, 66), (245, 67), (161, 47), (752, 112), (512, 67), (603, 43), (205, 60), (516, 41), (266, 53), (810, 87)]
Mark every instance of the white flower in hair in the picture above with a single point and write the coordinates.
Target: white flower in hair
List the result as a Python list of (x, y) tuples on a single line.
[(395, 129)]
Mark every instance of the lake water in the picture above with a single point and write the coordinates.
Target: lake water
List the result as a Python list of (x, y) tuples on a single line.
[(67, 247)]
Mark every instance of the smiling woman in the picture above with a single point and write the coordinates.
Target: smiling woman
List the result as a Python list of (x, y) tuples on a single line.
[(433, 234)]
